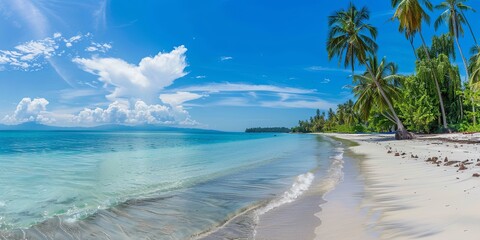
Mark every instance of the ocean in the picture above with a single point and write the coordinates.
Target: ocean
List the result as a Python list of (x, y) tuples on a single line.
[(155, 185)]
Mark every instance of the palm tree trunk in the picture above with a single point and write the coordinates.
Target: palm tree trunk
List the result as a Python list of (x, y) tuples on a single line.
[(413, 47), (455, 32), (473, 110), (440, 99), (401, 133), (470, 28)]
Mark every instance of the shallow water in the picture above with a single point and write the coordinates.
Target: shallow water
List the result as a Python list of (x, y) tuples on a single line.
[(157, 185)]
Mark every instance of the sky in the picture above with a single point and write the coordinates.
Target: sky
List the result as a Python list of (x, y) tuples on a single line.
[(215, 64)]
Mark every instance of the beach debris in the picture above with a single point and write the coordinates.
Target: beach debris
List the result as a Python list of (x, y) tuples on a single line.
[(397, 154), (476, 175), (389, 151), (451, 163), (478, 164), (462, 167), (446, 159), (403, 154)]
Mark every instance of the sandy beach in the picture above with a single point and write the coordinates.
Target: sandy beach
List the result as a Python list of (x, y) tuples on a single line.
[(425, 188)]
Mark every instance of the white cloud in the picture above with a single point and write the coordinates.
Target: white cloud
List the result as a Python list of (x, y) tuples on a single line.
[(31, 15), (327, 69), (200, 77), (69, 42), (29, 55), (178, 98), (225, 58), (240, 87), (100, 15), (318, 104), (282, 103), (34, 54), (69, 94), (326, 80), (29, 110), (121, 112), (142, 81), (98, 47)]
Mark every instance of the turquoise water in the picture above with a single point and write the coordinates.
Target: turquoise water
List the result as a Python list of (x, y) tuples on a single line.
[(158, 185)]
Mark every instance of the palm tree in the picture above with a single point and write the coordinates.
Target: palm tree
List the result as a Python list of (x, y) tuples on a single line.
[(348, 34), (453, 17), (411, 15), (474, 66), (350, 115), (348, 37), (378, 87)]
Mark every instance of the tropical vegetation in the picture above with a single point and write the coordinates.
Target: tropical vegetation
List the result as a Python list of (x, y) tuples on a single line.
[(434, 98)]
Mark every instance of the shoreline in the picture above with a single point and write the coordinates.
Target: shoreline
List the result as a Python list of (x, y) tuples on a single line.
[(423, 188)]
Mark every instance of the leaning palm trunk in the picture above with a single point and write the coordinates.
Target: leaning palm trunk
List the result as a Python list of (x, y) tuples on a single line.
[(401, 133), (455, 32), (440, 99), (470, 28)]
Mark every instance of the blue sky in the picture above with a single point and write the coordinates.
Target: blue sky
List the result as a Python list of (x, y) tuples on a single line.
[(220, 64)]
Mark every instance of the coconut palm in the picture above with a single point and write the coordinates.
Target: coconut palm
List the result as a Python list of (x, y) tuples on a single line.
[(348, 34), (474, 66), (453, 17), (377, 88), (350, 38), (350, 115), (411, 15)]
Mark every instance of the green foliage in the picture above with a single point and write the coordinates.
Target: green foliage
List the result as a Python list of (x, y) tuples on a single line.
[(425, 101), (378, 122), (348, 36), (417, 107)]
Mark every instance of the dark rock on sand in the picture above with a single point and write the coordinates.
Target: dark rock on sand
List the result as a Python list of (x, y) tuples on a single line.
[(451, 163)]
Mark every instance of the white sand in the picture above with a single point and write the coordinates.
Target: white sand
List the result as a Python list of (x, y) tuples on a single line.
[(408, 198)]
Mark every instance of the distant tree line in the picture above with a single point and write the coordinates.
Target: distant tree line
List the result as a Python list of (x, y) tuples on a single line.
[(268, 130)]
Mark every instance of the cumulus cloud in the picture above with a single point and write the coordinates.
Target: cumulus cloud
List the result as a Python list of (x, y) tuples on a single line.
[(30, 110), (142, 81), (122, 112)]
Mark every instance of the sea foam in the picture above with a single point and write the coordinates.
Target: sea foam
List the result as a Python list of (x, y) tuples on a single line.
[(301, 184)]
